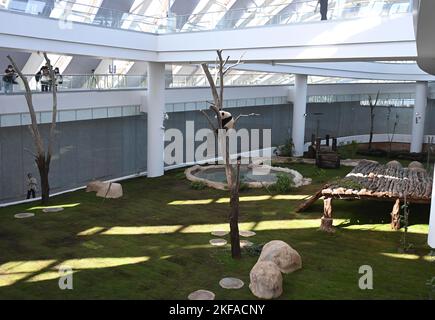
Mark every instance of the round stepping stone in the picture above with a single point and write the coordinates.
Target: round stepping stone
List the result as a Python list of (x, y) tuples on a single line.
[(245, 243), (201, 295), (231, 283), (52, 210), (219, 233), (218, 242), (24, 215), (247, 234)]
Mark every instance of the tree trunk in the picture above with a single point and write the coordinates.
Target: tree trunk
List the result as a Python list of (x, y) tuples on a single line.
[(233, 186), (372, 119), (44, 168), (234, 224), (395, 216), (326, 223)]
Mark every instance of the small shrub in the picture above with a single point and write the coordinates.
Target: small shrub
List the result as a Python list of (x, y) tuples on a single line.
[(198, 185), (254, 250), (283, 183), (243, 186), (348, 151), (320, 175), (286, 150), (180, 175)]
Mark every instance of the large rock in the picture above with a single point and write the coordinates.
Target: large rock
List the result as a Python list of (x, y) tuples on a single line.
[(94, 186), (266, 280), (416, 166), (110, 190), (394, 164), (285, 257)]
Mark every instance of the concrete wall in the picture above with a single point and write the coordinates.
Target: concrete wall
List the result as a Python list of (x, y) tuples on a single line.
[(116, 147), (85, 150)]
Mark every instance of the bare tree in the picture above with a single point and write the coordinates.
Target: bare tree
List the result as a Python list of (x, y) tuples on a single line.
[(232, 172), (372, 117), (42, 157)]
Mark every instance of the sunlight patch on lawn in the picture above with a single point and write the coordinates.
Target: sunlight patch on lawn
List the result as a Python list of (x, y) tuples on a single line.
[(98, 263), (142, 230), (91, 231), (49, 275), (290, 224), (242, 199), (14, 271), (207, 228), (291, 197), (408, 256), (190, 202), (246, 199), (252, 225), (419, 229), (70, 205)]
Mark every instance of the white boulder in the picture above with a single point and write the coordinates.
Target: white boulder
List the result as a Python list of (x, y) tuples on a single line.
[(285, 257), (266, 280), (110, 190)]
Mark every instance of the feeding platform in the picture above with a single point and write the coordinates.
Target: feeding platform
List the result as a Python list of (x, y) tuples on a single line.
[(373, 181)]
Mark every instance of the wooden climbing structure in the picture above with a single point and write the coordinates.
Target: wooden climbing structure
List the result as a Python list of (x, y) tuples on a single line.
[(373, 181), (326, 155)]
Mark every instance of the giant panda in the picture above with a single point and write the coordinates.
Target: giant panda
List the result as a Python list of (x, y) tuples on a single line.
[(227, 120)]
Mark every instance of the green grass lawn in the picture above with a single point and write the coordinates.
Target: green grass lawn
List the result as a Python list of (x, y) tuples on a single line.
[(154, 244)]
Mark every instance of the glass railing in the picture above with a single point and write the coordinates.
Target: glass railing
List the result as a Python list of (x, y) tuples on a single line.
[(75, 82), (288, 12), (245, 79), (114, 82)]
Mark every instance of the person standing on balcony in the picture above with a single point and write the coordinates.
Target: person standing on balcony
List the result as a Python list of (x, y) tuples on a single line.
[(57, 77), (93, 81), (45, 79), (9, 79), (323, 9)]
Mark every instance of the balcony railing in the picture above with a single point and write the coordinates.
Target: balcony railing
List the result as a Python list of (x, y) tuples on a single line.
[(288, 12), (76, 82), (95, 82)]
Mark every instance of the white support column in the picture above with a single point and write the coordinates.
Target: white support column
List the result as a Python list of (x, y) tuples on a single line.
[(299, 114), (417, 135), (431, 236), (156, 109)]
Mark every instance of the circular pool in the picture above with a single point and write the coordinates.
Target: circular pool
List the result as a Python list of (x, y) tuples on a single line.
[(253, 175)]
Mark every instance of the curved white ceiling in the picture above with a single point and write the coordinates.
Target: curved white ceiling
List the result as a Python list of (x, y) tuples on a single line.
[(425, 36), (359, 70)]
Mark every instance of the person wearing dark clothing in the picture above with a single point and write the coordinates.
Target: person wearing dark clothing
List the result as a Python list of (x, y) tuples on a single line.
[(9, 79), (43, 75), (32, 186), (324, 9)]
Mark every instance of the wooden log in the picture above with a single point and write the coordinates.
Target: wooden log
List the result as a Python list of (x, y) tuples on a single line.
[(334, 144), (327, 221), (308, 203), (395, 216), (318, 143)]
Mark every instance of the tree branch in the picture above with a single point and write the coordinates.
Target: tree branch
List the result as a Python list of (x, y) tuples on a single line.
[(54, 111), (211, 83), (235, 64), (221, 77), (209, 121), (245, 115), (28, 95)]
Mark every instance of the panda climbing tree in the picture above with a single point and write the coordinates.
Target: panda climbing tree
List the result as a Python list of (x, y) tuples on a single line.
[(223, 122)]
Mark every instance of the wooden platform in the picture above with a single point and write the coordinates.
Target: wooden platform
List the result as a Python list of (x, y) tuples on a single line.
[(373, 181)]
